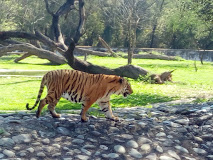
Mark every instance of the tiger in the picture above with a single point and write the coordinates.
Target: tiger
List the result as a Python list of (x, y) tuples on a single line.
[(80, 87)]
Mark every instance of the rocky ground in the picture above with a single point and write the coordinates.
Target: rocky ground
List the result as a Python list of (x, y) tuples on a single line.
[(179, 132)]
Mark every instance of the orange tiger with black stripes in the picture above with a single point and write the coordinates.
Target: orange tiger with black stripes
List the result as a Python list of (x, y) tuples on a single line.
[(77, 86)]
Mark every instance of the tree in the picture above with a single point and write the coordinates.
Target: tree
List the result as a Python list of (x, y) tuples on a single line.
[(128, 13), (59, 45)]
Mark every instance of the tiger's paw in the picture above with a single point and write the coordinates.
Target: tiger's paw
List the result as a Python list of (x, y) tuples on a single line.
[(84, 120), (116, 119), (56, 116)]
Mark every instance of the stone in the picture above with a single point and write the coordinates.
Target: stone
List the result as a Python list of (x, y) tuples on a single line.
[(82, 157), (182, 121), (126, 136), (86, 151), (5, 142), (22, 138), (63, 131), (166, 158), (200, 151), (89, 146), (103, 147), (132, 144), (9, 153), (142, 140), (78, 141), (151, 156), (159, 149), (182, 149), (134, 153), (161, 134), (1, 156), (56, 146), (45, 141), (146, 148), (173, 154), (31, 150), (119, 149), (113, 155), (96, 133), (40, 154)]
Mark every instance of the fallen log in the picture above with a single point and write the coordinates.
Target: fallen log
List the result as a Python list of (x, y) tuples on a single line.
[(41, 53)]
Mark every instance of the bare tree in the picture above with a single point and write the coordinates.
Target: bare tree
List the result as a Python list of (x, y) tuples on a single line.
[(66, 53)]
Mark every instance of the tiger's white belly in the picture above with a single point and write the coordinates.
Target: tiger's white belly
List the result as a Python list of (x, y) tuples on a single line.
[(68, 97)]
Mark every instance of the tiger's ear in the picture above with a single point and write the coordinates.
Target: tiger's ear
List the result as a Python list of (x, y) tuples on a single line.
[(121, 80)]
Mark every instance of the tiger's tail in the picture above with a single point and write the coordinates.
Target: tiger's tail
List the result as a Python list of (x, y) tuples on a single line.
[(43, 83)]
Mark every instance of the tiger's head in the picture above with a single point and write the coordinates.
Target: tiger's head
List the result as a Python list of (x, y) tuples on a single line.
[(126, 88)]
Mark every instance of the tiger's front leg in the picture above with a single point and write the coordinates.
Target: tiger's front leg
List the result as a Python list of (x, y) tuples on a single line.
[(106, 108)]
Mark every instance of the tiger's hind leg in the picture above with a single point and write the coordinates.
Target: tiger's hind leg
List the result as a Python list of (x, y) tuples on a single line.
[(42, 103), (85, 107), (106, 108), (51, 108)]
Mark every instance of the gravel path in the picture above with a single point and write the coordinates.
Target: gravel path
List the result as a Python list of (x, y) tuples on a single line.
[(179, 132)]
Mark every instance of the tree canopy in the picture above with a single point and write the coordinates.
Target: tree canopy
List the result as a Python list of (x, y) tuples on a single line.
[(149, 23)]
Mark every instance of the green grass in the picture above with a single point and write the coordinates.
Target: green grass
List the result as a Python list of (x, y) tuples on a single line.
[(17, 91)]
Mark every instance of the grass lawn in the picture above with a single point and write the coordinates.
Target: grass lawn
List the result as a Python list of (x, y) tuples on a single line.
[(17, 91)]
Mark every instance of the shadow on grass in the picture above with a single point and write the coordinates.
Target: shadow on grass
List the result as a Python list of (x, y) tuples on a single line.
[(139, 100), (175, 66), (120, 101), (47, 64)]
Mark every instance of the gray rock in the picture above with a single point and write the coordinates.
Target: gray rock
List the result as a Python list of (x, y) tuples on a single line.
[(159, 149), (182, 121), (89, 146), (127, 136), (113, 155), (151, 156), (86, 151), (132, 144), (161, 134), (56, 146), (166, 158), (63, 131), (40, 154), (173, 154), (6, 142), (78, 141), (22, 138), (103, 147), (96, 133), (146, 148), (200, 151), (9, 153), (1, 156), (182, 149), (45, 141), (82, 157), (134, 153), (31, 150), (119, 149), (142, 140)]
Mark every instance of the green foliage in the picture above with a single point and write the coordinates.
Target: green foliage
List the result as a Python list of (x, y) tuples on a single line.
[(179, 23), (2, 131)]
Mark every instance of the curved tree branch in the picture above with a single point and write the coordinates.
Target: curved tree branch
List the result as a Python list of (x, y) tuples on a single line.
[(80, 29)]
